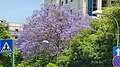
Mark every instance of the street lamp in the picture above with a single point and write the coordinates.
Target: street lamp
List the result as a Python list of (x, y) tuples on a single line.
[(46, 42), (100, 12)]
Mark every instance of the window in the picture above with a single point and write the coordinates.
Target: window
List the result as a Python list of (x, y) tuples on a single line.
[(66, 1), (104, 3), (112, 2), (16, 37), (71, 0), (94, 14), (94, 5), (62, 2), (16, 30), (71, 11), (1, 21)]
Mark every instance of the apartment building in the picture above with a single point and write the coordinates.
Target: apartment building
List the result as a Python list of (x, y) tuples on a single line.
[(87, 6), (14, 29), (81, 4)]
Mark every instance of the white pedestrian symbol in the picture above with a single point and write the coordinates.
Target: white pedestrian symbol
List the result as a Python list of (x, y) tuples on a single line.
[(6, 48)]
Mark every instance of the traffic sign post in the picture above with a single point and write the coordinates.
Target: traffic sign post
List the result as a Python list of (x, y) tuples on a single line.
[(116, 56), (13, 54), (116, 61), (116, 51), (6, 46)]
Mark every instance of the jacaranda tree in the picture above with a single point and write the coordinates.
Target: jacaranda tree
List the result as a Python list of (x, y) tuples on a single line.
[(56, 24)]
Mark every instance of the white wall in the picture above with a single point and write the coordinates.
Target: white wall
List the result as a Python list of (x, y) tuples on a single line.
[(81, 4)]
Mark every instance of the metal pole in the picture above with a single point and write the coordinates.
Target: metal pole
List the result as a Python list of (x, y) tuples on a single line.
[(57, 53), (12, 54), (45, 41), (117, 27)]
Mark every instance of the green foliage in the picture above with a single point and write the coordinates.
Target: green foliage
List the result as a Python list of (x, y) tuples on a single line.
[(117, 3), (18, 57), (51, 65), (3, 32), (114, 11), (6, 59), (37, 62), (93, 48)]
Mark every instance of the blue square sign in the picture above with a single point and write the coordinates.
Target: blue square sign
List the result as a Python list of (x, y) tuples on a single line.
[(116, 51), (6, 46)]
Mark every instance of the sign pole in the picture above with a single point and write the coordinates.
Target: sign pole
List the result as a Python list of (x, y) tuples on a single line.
[(12, 54)]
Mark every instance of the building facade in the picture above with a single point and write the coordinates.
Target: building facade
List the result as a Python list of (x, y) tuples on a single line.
[(81, 4), (14, 29), (86, 6)]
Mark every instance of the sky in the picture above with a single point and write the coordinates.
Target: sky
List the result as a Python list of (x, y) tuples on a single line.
[(18, 10)]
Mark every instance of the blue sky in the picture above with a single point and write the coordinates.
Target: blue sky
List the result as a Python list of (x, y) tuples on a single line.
[(18, 10)]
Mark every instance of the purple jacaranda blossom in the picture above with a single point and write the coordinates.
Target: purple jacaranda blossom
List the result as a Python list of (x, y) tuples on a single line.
[(56, 24)]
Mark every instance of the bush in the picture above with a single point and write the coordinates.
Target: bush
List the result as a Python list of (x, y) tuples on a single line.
[(51, 65), (37, 62)]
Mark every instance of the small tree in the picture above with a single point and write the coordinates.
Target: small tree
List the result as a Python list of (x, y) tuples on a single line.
[(56, 24)]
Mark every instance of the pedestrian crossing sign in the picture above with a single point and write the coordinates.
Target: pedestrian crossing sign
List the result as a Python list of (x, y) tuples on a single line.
[(6, 46)]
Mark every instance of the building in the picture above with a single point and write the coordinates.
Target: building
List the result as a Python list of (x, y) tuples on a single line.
[(81, 4), (87, 6), (14, 29)]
